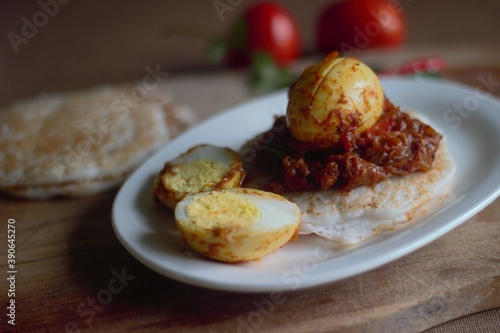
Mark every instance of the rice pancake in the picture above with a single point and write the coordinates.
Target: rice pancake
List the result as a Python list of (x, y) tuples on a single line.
[(350, 217), (82, 142)]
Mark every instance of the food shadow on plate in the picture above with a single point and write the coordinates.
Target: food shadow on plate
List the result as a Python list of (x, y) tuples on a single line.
[(152, 214), (164, 236)]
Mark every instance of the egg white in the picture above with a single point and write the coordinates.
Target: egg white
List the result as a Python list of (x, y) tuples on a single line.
[(277, 224)]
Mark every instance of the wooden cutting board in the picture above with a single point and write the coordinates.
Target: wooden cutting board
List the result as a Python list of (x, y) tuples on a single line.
[(68, 256), (74, 276)]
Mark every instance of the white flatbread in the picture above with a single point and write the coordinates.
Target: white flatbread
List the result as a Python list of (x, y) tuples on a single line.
[(350, 217), (83, 142)]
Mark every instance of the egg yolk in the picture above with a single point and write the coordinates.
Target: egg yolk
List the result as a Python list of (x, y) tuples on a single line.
[(222, 209), (195, 175)]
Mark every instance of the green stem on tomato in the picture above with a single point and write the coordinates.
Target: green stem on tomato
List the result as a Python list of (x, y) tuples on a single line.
[(267, 76)]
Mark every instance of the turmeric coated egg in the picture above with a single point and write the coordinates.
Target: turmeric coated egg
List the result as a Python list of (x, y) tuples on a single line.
[(237, 224), (201, 168), (336, 96)]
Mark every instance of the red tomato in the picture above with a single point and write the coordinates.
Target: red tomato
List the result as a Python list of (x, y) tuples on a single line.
[(358, 24), (265, 27)]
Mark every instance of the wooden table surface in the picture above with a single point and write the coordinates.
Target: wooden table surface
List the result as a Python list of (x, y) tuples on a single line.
[(73, 275)]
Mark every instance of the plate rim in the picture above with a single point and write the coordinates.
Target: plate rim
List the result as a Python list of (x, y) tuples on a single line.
[(354, 269)]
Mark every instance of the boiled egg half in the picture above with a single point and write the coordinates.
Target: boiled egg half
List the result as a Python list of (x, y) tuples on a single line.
[(237, 224), (201, 168)]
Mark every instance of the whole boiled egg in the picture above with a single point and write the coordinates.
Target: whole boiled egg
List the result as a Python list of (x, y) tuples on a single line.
[(237, 224), (336, 96), (201, 168)]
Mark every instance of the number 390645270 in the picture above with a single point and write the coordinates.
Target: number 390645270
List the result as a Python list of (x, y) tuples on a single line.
[(11, 240)]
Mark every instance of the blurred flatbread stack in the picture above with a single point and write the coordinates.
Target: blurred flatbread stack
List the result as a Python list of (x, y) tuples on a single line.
[(84, 142)]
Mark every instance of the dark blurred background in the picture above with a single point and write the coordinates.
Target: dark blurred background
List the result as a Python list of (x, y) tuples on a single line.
[(87, 42)]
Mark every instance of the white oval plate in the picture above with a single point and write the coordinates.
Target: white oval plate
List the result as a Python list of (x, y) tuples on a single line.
[(470, 119)]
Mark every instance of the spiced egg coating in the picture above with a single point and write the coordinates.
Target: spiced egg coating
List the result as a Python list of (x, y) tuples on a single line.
[(236, 224), (201, 168), (336, 96)]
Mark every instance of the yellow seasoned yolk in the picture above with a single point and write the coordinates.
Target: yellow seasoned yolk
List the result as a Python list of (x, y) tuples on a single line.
[(222, 209), (194, 176)]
